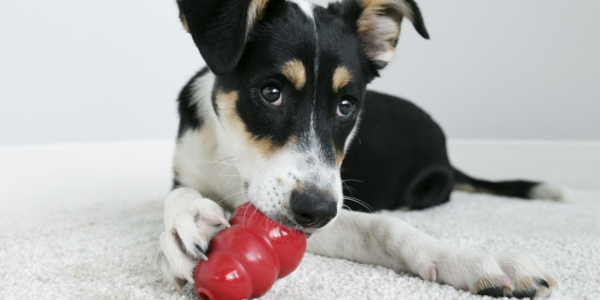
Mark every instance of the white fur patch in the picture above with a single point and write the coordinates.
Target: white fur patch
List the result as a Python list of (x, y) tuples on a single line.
[(306, 7), (352, 133), (548, 192), (202, 89)]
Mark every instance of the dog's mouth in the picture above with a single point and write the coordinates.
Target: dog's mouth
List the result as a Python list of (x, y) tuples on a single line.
[(287, 221)]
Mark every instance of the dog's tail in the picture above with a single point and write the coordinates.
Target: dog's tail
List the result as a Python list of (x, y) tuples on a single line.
[(513, 188)]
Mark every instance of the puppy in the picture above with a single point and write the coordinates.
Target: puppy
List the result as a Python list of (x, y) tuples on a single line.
[(281, 116)]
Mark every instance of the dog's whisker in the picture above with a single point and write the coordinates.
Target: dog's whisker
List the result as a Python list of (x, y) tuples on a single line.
[(242, 176), (216, 109), (254, 212), (246, 211), (354, 221), (210, 168), (353, 199), (339, 231), (349, 189), (234, 164), (350, 220), (362, 203), (356, 180), (236, 188), (240, 161), (233, 195), (232, 192)]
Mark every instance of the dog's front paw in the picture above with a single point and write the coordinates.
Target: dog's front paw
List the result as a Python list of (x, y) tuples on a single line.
[(505, 275), (529, 277), (190, 223)]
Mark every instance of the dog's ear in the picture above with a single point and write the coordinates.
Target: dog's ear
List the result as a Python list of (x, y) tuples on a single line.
[(378, 25), (220, 28)]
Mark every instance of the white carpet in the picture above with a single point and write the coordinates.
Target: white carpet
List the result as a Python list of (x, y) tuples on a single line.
[(104, 247), (106, 251)]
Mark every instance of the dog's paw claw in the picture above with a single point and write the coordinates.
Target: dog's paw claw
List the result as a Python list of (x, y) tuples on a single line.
[(432, 273), (498, 287), (189, 278), (428, 272), (201, 252), (223, 221)]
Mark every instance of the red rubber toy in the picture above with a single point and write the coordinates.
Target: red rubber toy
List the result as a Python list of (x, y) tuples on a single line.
[(245, 260)]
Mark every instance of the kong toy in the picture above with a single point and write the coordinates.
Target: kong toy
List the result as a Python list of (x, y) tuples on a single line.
[(245, 260)]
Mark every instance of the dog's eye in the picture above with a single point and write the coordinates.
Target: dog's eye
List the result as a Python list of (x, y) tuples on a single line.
[(344, 108), (272, 94)]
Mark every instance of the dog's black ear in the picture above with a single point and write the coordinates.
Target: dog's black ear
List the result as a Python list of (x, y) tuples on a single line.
[(220, 28), (378, 24)]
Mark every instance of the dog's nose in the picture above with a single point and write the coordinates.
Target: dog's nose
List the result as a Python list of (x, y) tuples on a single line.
[(312, 208)]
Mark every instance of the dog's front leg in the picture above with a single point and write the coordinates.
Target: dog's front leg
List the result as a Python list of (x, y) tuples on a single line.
[(190, 222), (394, 244)]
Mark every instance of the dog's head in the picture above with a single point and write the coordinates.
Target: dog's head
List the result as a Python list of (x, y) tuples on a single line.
[(290, 81)]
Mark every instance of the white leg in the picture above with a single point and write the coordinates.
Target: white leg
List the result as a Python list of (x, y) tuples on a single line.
[(394, 244), (190, 222)]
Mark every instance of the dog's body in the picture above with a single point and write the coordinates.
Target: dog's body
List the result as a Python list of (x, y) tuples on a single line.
[(282, 119)]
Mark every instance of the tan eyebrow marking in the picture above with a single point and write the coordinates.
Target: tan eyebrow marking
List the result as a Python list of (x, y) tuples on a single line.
[(341, 78), (294, 71), (226, 102)]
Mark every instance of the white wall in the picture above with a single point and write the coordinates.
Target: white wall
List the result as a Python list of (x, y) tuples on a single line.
[(75, 71)]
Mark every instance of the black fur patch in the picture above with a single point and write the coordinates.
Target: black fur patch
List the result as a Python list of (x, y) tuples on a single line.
[(218, 29), (492, 292), (397, 159), (530, 293), (509, 188)]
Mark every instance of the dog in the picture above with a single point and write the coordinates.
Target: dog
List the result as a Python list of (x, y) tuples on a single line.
[(281, 117)]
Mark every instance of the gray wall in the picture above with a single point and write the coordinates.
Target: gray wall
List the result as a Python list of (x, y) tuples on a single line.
[(78, 71)]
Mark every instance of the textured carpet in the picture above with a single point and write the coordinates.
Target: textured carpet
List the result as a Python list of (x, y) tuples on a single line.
[(106, 250)]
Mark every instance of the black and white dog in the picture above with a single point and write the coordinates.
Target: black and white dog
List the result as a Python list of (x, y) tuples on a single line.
[(281, 117)]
